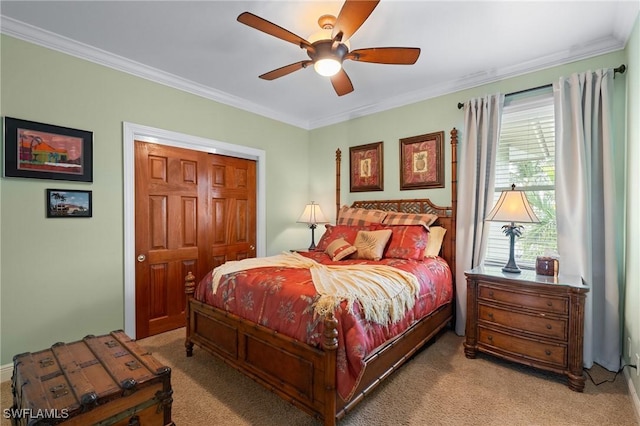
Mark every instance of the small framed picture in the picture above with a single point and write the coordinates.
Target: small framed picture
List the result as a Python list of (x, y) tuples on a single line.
[(365, 167), (68, 203), (43, 151), (421, 159)]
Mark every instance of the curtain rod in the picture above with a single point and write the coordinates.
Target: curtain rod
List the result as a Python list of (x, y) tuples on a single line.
[(621, 69)]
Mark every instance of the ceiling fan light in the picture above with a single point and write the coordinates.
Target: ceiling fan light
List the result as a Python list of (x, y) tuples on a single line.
[(327, 67)]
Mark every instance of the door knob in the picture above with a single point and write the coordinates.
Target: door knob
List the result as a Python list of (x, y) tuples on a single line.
[(141, 257)]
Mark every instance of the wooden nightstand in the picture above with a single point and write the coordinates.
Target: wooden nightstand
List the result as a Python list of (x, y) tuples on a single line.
[(531, 319)]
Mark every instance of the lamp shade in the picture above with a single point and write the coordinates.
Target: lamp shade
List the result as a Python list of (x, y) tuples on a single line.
[(512, 206), (312, 215)]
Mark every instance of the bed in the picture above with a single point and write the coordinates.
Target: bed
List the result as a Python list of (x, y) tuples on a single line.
[(309, 372)]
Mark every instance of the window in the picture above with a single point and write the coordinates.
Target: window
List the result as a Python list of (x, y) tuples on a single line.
[(526, 157)]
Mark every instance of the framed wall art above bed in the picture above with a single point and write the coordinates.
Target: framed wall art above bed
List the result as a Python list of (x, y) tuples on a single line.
[(421, 161), (365, 167)]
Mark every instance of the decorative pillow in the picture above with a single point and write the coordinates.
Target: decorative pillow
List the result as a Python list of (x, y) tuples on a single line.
[(434, 243), (339, 249), (407, 242), (424, 219), (371, 244), (334, 232), (359, 217)]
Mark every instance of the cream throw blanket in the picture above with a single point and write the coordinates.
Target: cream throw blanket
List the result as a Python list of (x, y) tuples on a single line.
[(384, 293)]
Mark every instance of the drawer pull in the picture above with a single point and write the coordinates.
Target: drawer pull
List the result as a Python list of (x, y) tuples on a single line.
[(490, 315), (490, 338), (548, 326), (491, 293), (547, 351), (549, 303)]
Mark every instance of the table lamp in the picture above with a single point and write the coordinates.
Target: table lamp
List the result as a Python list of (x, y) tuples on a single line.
[(512, 206), (312, 215)]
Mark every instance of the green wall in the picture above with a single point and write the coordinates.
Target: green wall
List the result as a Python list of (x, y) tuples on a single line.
[(63, 279)]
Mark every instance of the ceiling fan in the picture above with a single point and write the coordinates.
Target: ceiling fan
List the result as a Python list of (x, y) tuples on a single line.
[(329, 47)]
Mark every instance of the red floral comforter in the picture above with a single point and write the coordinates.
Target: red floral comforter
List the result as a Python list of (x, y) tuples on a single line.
[(283, 298)]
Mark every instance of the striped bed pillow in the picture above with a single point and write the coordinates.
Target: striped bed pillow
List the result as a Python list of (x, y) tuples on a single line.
[(354, 216), (424, 219)]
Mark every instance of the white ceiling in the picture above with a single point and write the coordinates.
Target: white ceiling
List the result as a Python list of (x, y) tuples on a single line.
[(198, 46)]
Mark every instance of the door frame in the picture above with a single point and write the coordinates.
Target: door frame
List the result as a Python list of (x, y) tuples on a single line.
[(133, 132)]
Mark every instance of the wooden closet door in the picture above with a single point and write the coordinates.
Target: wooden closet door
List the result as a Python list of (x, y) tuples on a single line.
[(232, 229), (194, 211), (171, 209)]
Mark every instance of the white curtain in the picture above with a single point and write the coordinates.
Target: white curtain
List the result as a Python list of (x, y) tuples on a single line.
[(586, 205), (476, 182)]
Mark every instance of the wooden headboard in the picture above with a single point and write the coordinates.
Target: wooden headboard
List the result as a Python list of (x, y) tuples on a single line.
[(446, 215)]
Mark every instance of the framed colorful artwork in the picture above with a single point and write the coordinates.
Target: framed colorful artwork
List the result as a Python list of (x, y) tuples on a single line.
[(421, 159), (44, 151), (365, 167), (68, 203)]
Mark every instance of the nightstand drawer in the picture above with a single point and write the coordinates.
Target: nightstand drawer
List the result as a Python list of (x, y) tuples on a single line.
[(558, 305), (520, 347), (537, 324)]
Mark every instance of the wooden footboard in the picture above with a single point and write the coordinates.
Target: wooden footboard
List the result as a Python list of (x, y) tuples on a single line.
[(298, 373)]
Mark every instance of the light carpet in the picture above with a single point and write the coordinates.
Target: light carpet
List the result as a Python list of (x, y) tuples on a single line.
[(439, 386)]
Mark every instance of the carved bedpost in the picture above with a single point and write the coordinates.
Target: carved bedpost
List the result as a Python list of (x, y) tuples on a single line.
[(338, 161), (454, 197), (454, 213), (330, 346), (330, 336), (189, 289)]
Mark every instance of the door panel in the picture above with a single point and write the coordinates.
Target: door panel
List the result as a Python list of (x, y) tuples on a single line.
[(233, 209), (168, 201), (194, 211)]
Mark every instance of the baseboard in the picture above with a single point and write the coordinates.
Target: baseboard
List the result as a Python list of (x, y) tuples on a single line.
[(5, 372), (633, 395)]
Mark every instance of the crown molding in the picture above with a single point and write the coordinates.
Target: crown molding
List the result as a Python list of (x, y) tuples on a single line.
[(576, 53), (71, 47), (50, 40)]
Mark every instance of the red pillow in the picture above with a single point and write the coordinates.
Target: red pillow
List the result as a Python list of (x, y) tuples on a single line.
[(407, 242), (334, 232)]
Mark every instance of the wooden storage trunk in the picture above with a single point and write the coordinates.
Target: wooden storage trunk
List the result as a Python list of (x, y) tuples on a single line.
[(100, 380)]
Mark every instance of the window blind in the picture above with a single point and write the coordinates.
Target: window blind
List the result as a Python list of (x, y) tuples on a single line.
[(526, 158)]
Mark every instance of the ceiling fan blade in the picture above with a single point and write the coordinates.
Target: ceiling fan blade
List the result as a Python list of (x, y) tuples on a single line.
[(287, 69), (351, 17), (386, 55), (342, 83), (270, 28)]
